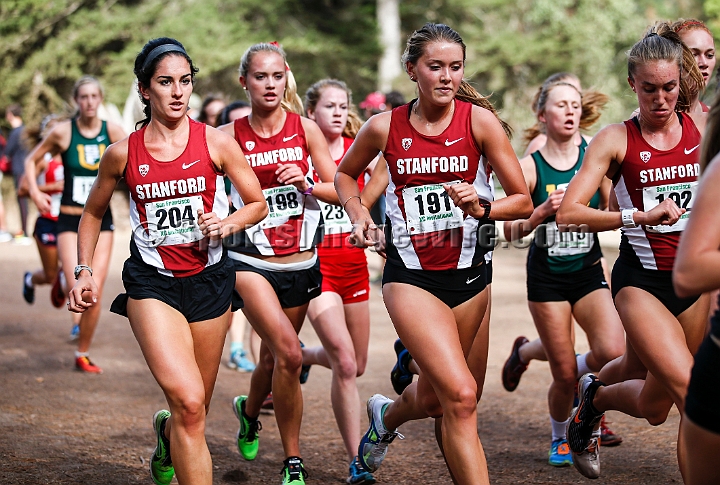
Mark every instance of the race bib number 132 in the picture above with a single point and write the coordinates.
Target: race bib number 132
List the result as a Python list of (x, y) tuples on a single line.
[(682, 194)]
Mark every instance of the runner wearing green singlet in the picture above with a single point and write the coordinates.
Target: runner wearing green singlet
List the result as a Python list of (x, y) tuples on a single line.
[(564, 275), (81, 142)]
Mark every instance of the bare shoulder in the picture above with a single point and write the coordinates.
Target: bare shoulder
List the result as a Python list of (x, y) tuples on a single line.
[(220, 140), (115, 131), (700, 120), (228, 128)]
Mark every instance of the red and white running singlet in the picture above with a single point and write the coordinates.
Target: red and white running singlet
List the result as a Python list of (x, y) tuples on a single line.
[(293, 221), (647, 176), (54, 172), (164, 200), (337, 222), (426, 229)]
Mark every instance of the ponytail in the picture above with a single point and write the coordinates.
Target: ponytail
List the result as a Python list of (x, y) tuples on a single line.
[(469, 94)]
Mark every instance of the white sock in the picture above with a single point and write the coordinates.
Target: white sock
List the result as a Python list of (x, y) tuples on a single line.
[(558, 429), (81, 354), (582, 365)]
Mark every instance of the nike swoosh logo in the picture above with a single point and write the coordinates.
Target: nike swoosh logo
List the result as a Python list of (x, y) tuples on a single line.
[(313, 289), (448, 142), (468, 281), (288, 138), (577, 414), (604, 283), (688, 152), (185, 166)]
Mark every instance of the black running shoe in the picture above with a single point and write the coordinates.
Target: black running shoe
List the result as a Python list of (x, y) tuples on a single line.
[(585, 418), (304, 370), (293, 471), (400, 375), (514, 367), (28, 288)]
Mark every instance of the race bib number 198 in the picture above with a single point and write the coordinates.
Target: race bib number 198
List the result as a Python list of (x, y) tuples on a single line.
[(682, 194), (174, 221), (429, 208), (283, 203)]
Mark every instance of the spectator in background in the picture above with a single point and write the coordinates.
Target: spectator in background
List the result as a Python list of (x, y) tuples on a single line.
[(212, 106), (15, 151), (393, 99), (373, 104), (5, 236)]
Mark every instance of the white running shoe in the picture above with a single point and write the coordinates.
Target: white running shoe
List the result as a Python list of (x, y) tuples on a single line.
[(587, 461), (374, 443)]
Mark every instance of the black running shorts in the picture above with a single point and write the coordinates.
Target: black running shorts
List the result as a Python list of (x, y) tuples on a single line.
[(453, 286), (199, 297), (657, 283), (701, 404), (293, 288), (68, 223), (570, 287)]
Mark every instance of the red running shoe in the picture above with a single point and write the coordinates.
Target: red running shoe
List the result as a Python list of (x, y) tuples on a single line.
[(268, 402), (57, 293), (84, 364), (514, 367), (608, 436)]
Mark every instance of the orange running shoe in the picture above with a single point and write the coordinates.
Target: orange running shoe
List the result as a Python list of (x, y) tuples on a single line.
[(608, 436), (84, 364)]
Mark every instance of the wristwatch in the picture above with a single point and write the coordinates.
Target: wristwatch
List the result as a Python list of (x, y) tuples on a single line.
[(486, 211), (80, 268), (311, 186), (627, 218)]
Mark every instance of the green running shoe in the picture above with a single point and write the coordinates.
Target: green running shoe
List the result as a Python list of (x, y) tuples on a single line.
[(161, 467), (293, 471), (247, 435)]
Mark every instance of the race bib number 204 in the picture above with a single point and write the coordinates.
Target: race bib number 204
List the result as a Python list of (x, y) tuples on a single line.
[(174, 221)]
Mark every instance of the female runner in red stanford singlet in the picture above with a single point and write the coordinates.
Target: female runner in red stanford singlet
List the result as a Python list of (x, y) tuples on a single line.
[(277, 269), (341, 314), (652, 160), (437, 201), (178, 281)]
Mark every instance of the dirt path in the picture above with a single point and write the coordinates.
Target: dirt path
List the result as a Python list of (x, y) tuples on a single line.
[(58, 426)]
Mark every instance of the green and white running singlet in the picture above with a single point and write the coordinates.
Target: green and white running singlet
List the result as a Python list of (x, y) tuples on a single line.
[(81, 162), (552, 250)]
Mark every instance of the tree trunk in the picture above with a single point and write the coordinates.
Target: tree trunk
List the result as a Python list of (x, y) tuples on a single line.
[(388, 15)]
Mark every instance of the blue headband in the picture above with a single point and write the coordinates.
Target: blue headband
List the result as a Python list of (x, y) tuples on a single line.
[(159, 50)]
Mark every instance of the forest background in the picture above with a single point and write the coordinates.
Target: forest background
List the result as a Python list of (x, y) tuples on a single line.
[(511, 45)]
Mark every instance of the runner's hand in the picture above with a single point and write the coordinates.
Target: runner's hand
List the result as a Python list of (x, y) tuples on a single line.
[(210, 225), (666, 213), (292, 174), (465, 197), (552, 203), (83, 295), (366, 234), (42, 201)]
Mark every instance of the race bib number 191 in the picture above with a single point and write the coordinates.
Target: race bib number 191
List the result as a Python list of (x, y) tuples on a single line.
[(429, 208), (174, 221), (682, 194)]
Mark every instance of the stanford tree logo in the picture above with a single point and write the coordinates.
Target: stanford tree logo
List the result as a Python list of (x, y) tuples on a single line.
[(406, 143), (645, 156), (144, 169), (249, 145)]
